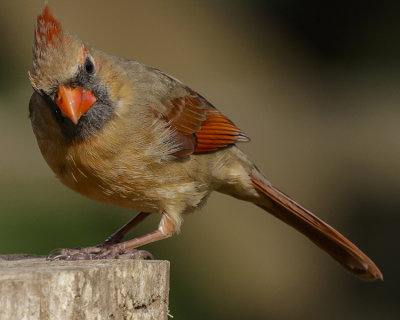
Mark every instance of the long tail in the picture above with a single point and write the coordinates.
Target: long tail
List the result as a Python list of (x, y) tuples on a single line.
[(324, 236)]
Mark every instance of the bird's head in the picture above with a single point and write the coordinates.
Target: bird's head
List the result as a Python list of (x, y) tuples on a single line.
[(65, 73)]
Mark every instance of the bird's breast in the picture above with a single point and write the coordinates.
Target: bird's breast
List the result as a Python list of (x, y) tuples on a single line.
[(130, 180)]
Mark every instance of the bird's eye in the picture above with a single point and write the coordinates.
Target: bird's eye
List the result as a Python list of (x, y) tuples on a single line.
[(89, 66)]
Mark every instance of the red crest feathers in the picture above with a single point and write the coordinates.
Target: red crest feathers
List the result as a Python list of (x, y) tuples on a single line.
[(48, 30)]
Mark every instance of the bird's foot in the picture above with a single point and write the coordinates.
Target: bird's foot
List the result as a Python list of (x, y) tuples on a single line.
[(99, 252)]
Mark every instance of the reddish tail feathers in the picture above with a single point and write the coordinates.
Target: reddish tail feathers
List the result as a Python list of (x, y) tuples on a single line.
[(324, 236)]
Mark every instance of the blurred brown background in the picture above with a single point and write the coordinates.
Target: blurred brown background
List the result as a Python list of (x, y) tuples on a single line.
[(314, 84)]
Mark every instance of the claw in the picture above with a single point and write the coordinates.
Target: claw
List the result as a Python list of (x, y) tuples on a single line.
[(58, 257), (97, 253), (136, 254), (55, 254)]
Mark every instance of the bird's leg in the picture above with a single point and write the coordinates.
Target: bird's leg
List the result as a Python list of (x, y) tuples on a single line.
[(123, 250), (166, 229), (118, 235)]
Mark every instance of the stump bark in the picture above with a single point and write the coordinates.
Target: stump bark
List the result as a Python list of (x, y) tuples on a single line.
[(96, 289)]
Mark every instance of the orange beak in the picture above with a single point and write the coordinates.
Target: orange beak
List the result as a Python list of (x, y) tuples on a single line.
[(74, 102)]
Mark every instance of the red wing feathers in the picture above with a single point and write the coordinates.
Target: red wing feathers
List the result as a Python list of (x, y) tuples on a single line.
[(197, 121), (186, 114), (216, 132)]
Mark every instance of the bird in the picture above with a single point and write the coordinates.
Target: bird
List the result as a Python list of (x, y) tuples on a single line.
[(126, 134)]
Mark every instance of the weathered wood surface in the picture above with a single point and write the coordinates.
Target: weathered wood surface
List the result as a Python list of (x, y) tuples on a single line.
[(97, 289)]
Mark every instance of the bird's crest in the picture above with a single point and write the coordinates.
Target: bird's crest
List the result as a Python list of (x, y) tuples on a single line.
[(48, 31), (53, 52)]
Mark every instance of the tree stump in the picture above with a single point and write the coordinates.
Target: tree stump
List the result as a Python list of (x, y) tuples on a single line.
[(97, 289)]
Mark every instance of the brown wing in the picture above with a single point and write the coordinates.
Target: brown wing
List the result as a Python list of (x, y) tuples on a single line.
[(200, 127)]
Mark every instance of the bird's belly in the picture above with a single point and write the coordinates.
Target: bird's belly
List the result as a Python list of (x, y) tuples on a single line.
[(119, 192), (143, 190)]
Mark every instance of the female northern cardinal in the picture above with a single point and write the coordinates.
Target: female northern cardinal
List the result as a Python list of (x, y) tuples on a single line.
[(129, 135)]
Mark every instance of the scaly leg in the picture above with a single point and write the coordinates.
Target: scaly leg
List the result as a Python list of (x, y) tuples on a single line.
[(124, 250), (118, 235), (166, 229)]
